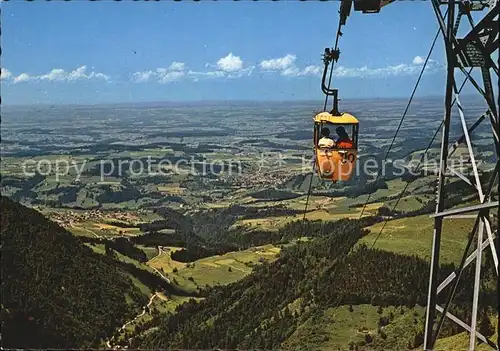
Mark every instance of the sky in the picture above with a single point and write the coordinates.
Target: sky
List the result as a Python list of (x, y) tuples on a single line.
[(104, 52)]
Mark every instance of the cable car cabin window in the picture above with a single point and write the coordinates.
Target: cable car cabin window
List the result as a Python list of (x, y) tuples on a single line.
[(337, 137)]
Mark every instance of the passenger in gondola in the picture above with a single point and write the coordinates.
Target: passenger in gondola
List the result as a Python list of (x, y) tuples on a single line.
[(343, 142), (325, 141)]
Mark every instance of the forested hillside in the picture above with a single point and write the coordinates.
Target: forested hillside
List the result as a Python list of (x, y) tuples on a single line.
[(271, 307), (56, 292)]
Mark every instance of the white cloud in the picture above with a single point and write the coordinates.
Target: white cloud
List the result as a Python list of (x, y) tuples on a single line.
[(402, 69), (79, 73), (141, 77), (230, 66), (56, 74), (230, 63), (418, 60), (313, 70), (196, 76), (5, 74), (290, 71), (249, 70), (99, 76), (294, 71), (173, 73), (23, 77), (286, 67), (171, 76), (177, 66), (278, 64), (210, 74)]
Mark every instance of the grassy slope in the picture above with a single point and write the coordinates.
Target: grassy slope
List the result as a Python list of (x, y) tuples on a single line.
[(150, 251), (460, 342), (320, 208), (330, 209), (409, 203), (413, 236), (337, 328), (215, 269)]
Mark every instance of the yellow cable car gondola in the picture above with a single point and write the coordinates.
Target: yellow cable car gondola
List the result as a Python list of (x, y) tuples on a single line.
[(336, 159)]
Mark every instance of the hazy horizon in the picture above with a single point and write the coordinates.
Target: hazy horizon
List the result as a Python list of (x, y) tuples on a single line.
[(166, 103)]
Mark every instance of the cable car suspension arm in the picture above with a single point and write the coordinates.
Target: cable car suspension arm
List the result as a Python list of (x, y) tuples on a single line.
[(330, 57)]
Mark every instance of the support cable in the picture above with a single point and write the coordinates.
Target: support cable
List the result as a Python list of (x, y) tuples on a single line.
[(308, 195), (418, 165), (404, 115), (408, 183)]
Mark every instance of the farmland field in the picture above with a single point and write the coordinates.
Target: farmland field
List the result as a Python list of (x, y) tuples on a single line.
[(194, 213)]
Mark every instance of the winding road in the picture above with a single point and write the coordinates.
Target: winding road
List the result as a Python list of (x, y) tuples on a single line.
[(108, 344), (160, 252), (141, 314), (156, 270)]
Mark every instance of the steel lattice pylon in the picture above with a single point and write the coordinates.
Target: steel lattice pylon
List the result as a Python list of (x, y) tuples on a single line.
[(474, 51)]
